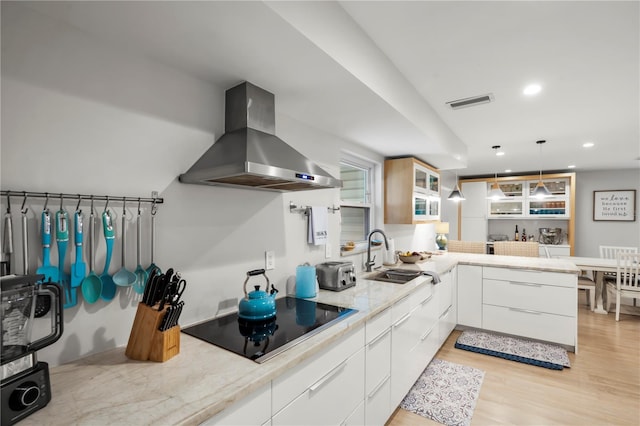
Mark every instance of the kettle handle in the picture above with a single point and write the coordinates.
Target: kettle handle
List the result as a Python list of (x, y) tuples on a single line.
[(53, 290), (253, 273)]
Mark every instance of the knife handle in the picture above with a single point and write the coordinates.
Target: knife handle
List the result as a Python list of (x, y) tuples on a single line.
[(165, 319)]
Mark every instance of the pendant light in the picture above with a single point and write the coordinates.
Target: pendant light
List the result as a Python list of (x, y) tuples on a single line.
[(456, 195), (540, 190), (495, 193)]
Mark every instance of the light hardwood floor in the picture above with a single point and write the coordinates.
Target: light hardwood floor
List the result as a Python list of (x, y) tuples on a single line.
[(602, 387)]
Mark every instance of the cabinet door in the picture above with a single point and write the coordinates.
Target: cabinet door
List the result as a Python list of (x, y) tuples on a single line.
[(420, 179), (475, 204), (434, 183), (470, 295)]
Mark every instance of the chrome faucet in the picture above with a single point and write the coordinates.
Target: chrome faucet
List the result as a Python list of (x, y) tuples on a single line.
[(371, 262)]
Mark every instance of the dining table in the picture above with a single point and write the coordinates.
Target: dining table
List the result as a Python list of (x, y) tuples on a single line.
[(599, 266)]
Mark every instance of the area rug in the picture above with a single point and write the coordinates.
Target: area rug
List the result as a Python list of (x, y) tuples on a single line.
[(445, 392), (514, 349)]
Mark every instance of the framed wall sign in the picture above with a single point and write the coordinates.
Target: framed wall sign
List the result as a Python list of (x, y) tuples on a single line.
[(614, 205)]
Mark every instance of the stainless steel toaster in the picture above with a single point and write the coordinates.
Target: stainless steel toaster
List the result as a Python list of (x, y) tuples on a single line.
[(336, 276)]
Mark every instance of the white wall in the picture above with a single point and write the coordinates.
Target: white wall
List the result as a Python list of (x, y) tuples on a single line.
[(79, 116), (591, 234)]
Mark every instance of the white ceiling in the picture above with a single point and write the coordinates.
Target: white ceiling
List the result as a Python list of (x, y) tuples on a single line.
[(380, 73)]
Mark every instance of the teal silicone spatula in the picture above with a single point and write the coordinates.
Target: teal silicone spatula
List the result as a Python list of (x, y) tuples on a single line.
[(62, 240), (49, 271), (108, 286), (78, 268)]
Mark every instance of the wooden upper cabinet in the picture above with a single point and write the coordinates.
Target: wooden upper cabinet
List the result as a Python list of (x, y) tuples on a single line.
[(411, 191)]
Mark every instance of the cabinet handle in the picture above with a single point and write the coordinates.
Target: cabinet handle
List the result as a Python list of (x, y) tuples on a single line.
[(380, 337), (328, 376), (445, 313), (533, 270), (425, 335), (403, 319), (379, 386), (526, 311), (525, 284), (425, 301)]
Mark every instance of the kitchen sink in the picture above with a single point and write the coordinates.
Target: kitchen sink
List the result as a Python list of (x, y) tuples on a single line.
[(396, 276)]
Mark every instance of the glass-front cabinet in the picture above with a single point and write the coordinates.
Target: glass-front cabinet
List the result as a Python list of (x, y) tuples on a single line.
[(519, 201), (411, 191)]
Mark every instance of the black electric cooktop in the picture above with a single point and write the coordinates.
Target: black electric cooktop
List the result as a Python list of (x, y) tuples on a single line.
[(296, 320)]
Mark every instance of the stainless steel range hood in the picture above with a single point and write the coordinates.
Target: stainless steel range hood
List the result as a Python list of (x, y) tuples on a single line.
[(249, 155)]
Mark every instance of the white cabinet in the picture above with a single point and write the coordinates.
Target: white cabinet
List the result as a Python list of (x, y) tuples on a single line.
[(473, 224), (307, 394), (528, 303), (446, 308), (378, 369), (520, 203), (470, 296), (254, 409)]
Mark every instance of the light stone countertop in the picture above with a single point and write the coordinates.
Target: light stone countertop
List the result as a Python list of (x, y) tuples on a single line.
[(109, 388)]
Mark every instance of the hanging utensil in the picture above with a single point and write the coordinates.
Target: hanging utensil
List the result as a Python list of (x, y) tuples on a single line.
[(62, 240), (78, 268), (49, 271), (124, 277), (153, 239), (108, 286), (91, 284), (7, 240), (141, 274), (25, 238)]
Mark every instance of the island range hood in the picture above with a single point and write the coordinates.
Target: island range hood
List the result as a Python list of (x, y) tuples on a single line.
[(250, 155)]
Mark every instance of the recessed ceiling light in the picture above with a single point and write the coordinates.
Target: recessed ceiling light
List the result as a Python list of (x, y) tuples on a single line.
[(588, 144), (532, 89), (500, 153), (571, 166), (508, 171)]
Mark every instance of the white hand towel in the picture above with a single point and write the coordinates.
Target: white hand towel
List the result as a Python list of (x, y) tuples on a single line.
[(318, 226)]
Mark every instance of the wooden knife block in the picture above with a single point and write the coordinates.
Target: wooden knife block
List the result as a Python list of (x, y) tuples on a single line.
[(146, 342)]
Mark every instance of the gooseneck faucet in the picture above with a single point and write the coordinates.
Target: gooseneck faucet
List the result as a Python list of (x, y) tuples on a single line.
[(371, 262)]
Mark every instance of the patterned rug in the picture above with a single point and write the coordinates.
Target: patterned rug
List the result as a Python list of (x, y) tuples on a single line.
[(514, 349), (445, 392)]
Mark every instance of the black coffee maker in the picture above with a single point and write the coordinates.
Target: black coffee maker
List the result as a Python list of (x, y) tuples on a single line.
[(25, 383)]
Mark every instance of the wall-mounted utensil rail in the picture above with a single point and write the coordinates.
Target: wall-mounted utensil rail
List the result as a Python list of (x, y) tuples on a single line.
[(294, 208), (58, 195)]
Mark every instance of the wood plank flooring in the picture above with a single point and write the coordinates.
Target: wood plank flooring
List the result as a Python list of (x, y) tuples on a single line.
[(602, 387)]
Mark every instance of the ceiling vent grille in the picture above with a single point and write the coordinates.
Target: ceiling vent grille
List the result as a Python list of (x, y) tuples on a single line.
[(467, 102)]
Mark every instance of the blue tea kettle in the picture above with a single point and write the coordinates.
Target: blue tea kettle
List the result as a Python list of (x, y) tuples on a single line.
[(258, 305)]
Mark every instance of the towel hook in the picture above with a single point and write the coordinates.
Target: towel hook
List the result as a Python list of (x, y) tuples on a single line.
[(8, 202), (46, 201), (24, 201), (78, 205), (61, 200), (106, 206)]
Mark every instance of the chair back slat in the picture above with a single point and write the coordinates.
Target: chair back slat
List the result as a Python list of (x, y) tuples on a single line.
[(610, 252), (628, 272)]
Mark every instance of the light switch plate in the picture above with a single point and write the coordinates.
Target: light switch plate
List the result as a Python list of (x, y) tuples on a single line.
[(269, 260), (327, 251)]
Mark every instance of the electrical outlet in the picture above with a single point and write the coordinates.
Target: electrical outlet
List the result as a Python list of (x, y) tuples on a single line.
[(269, 260), (327, 251)]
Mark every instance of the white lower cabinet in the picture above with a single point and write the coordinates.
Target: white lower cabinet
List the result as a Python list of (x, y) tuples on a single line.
[(357, 417), (470, 296), (378, 369), (446, 308), (325, 389), (534, 304), (255, 409)]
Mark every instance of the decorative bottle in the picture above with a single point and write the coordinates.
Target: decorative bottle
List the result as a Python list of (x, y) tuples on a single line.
[(524, 234), (517, 234)]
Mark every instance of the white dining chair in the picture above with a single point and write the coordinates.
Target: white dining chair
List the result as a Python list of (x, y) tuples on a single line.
[(611, 252), (627, 282)]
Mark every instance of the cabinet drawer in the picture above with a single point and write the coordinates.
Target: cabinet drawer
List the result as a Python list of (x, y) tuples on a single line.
[(289, 385), (444, 291), (531, 276), (356, 418), (378, 403), (317, 404), (536, 297), (548, 327), (378, 360), (254, 409), (378, 324), (408, 303)]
